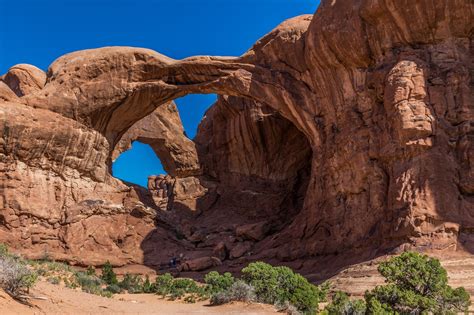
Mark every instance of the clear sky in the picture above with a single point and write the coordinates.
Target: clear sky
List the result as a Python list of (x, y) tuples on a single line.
[(37, 32)]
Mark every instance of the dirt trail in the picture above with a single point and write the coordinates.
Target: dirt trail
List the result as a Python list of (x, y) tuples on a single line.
[(65, 301)]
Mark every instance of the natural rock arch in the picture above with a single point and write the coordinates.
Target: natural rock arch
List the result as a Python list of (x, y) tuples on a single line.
[(109, 89), (380, 91), (164, 132)]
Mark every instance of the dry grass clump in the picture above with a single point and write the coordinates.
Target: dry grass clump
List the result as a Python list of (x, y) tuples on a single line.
[(15, 276)]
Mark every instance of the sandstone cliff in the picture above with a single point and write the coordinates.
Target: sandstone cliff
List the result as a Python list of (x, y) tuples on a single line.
[(350, 131)]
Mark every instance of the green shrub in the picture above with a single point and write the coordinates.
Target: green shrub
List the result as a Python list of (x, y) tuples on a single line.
[(41, 272), (56, 266), (280, 284), (415, 284), (88, 283), (375, 307), (29, 279), (264, 278), (97, 290), (131, 283), (105, 293), (148, 287), (70, 284), (341, 304), (167, 286), (90, 271), (3, 250), (163, 284), (358, 306), (176, 294), (190, 299), (289, 309), (114, 288), (181, 286), (108, 274), (217, 282), (202, 293), (92, 284), (85, 280), (323, 291), (54, 280), (455, 299)]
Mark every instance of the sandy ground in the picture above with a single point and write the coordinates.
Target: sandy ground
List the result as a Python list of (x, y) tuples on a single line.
[(64, 301)]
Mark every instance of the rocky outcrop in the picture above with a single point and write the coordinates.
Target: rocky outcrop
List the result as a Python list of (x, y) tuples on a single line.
[(350, 131), (25, 79), (57, 196)]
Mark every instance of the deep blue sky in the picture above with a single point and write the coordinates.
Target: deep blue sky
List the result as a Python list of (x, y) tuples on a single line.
[(37, 32)]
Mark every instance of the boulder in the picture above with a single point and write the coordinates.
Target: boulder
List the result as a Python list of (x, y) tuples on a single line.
[(200, 264), (254, 231), (240, 249), (220, 251)]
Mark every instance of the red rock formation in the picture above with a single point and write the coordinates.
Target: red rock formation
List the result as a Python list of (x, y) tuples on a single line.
[(350, 131), (164, 132), (25, 79)]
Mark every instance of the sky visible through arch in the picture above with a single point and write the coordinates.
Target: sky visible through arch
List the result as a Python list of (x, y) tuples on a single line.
[(38, 32)]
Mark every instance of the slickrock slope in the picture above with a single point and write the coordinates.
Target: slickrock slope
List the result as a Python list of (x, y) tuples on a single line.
[(350, 131)]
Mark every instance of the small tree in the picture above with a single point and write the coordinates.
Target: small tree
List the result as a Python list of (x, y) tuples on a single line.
[(280, 284), (108, 274), (416, 284), (163, 284)]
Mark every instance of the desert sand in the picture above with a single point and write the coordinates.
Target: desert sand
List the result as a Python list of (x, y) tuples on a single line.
[(53, 299)]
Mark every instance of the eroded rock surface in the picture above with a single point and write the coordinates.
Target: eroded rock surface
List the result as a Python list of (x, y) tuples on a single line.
[(25, 79), (350, 131)]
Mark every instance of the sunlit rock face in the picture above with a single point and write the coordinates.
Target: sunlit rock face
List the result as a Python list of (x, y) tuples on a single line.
[(350, 131)]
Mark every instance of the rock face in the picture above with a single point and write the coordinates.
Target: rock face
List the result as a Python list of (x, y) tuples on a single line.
[(350, 131)]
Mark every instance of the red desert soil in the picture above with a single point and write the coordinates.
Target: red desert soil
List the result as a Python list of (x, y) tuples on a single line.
[(61, 300)]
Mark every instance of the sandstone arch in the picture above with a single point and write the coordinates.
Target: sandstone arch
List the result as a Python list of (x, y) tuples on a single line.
[(383, 101), (164, 132)]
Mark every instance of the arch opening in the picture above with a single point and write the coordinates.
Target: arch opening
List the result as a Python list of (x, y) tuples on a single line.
[(260, 159), (192, 109), (255, 173), (136, 164), (238, 163)]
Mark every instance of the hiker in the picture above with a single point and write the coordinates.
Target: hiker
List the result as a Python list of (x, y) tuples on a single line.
[(173, 262)]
